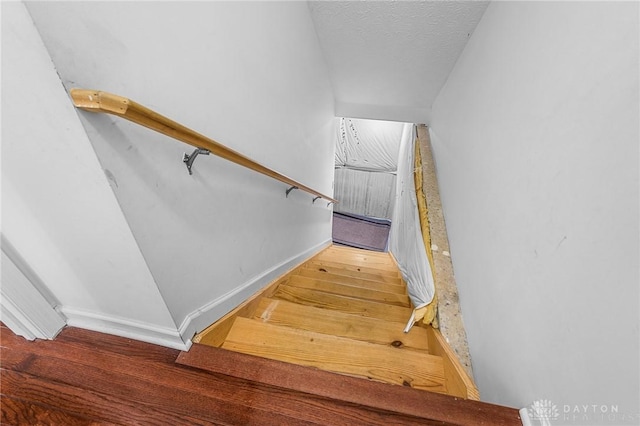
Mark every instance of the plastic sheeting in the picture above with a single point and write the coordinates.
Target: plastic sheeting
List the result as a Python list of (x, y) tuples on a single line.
[(375, 177), (364, 193), (366, 162), (405, 240), (368, 144)]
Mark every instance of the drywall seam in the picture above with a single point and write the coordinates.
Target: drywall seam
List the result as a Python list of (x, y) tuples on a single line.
[(96, 267), (117, 200), (83, 114), (215, 309)]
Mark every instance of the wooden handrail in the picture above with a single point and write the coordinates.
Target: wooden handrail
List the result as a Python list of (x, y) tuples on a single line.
[(97, 101)]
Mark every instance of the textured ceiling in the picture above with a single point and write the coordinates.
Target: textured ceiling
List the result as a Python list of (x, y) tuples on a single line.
[(389, 59)]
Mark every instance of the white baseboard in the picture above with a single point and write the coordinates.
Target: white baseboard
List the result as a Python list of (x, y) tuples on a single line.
[(524, 417), (123, 327), (195, 321), (17, 323), (214, 310), (23, 308)]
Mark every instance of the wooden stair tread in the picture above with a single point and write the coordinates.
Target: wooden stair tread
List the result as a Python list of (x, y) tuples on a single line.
[(346, 304), (342, 310), (337, 354), (103, 384), (96, 374), (351, 291), (337, 270), (372, 330), (391, 272), (428, 408)]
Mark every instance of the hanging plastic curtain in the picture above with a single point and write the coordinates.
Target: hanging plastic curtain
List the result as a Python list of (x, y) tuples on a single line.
[(405, 240), (366, 161), (368, 144), (365, 193)]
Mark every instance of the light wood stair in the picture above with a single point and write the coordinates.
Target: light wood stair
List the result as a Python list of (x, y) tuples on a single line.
[(343, 311)]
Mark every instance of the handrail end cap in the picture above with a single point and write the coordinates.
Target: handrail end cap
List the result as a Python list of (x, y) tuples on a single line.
[(97, 101)]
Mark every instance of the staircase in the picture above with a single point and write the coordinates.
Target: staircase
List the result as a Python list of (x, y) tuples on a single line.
[(343, 311)]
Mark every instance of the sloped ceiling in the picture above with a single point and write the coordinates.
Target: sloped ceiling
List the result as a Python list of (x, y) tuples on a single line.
[(388, 60)]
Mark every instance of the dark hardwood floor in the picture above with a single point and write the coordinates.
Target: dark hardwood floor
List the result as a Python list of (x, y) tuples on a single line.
[(84, 377)]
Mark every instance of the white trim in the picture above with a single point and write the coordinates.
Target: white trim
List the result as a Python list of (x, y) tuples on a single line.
[(524, 417), (22, 265), (123, 327), (218, 307), (164, 336), (16, 322), (24, 309)]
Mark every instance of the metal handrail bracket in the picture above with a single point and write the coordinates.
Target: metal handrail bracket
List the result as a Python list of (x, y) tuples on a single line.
[(98, 101)]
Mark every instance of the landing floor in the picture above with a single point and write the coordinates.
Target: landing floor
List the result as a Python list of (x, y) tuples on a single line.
[(84, 377)]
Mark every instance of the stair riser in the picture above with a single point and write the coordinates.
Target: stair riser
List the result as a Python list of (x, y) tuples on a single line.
[(344, 304), (355, 268), (353, 274), (350, 291), (357, 282)]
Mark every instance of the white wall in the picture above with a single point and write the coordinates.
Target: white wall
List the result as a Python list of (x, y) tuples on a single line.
[(536, 143), (250, 75), (58, 213)]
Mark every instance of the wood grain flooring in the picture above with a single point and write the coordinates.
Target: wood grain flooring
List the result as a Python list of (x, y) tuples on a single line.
[(89, 378)]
